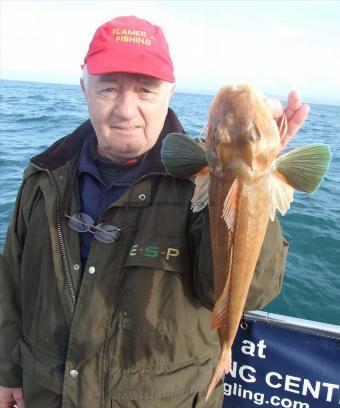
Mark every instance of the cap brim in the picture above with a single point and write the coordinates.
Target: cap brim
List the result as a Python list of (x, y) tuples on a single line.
[(133, 62)]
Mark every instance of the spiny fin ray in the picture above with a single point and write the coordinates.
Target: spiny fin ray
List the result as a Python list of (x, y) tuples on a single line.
[(281, 195), (230, 204), (201, 194)]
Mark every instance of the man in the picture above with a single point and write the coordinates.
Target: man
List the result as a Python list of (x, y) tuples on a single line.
[(106, 276)]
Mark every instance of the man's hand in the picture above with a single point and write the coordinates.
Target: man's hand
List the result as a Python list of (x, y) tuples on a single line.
[(9, 397), (296, 113)]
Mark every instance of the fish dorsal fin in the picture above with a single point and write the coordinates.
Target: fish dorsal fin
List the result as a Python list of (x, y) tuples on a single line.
[(230, 205), (304, 168), (182, 157), (281, 195), (201, 194)]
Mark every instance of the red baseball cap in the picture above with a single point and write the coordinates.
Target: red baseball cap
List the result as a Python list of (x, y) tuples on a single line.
[(130, 44)]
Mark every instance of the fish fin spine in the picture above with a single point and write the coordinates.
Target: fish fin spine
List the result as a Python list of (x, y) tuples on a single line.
[(230, 205), (200, 198), (283, 126), (281, 195)]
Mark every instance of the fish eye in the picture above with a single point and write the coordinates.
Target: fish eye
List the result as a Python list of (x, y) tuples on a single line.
[(256, 132), (215, 136)]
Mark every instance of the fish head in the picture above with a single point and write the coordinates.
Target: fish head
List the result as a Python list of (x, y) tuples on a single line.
[(242, 136)]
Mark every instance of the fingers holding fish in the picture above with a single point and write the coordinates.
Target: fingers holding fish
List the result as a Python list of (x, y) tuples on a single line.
[(275, 107), (293, 103), (296, 113)]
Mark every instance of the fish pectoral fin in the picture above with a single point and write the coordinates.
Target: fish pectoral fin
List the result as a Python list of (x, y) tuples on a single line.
[(181, 156), (304, 168), (281, 195), (201, 194), (230, 205)]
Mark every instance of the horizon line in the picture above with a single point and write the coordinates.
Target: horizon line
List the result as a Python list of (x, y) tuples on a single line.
[(194, 91)]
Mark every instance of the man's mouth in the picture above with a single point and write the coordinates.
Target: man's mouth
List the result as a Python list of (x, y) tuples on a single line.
[(126, 129)]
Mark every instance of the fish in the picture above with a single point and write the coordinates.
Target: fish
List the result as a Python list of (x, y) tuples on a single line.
[(242, 177)]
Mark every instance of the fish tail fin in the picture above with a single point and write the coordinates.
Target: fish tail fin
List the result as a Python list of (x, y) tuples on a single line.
[(223, 367)]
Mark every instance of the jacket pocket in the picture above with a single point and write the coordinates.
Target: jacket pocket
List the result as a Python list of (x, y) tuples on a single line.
[(155, 382), (155, 295), (158, 313)]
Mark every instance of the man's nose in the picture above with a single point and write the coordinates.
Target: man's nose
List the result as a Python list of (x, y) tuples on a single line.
[(127, 105)]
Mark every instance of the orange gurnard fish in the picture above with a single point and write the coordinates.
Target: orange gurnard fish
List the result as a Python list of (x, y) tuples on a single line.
[(245, 184)]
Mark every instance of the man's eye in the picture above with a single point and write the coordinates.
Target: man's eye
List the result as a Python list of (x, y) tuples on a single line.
[(147, 93), (108, 90)]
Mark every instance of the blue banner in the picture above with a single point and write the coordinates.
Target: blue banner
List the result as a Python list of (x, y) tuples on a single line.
[(275, 366)]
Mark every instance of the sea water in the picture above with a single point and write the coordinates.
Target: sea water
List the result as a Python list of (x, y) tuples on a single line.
[(34, 115)]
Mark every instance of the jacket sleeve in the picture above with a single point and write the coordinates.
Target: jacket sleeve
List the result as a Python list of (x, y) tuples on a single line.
[(268, 275), (10, 304)]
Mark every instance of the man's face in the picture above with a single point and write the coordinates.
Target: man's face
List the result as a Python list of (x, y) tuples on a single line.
[(127, 112)]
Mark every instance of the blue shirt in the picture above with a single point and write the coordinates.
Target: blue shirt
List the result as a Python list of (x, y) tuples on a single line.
[(101, 182)]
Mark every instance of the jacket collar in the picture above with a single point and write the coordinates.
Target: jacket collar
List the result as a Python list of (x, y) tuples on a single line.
[(66, 148)]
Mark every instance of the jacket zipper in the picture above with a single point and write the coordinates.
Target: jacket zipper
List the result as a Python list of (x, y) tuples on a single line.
[(153, 173), (64, 261)]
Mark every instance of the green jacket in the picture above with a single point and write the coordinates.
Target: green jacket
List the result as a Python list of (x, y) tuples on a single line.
[(137, 324)]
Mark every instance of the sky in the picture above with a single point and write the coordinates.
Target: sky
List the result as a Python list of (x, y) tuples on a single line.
[(274, 45)]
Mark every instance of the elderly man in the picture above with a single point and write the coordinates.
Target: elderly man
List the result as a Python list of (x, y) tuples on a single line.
[(106, 276)]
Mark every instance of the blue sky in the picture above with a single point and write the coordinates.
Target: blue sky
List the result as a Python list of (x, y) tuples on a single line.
[(275, 45)]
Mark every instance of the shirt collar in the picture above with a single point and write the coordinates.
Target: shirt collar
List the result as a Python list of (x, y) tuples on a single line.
[(87, 162)]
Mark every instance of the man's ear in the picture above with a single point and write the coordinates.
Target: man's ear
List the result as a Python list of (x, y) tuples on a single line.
[(83, 88), (173, 89)]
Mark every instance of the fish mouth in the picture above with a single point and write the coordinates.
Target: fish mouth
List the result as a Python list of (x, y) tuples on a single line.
[(236, 168)]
